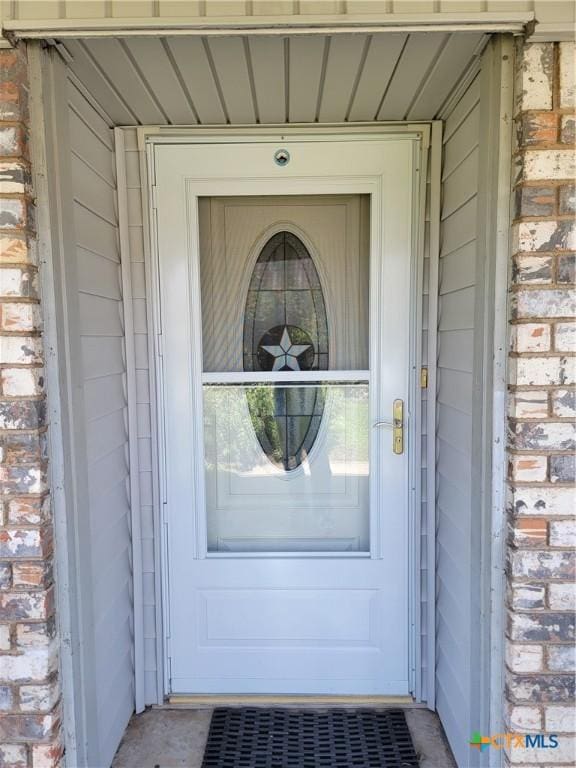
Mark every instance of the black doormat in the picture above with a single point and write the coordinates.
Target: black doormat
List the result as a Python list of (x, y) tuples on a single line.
[(251, 737)]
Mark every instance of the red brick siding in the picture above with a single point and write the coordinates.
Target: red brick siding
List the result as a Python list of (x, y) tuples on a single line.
[(29, 685), (542, 435)]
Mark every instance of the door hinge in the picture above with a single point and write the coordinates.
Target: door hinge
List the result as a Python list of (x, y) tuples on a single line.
[(424, 378)]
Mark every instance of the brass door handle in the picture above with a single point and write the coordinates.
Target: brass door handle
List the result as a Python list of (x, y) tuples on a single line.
[(396, 425), (398, 428)]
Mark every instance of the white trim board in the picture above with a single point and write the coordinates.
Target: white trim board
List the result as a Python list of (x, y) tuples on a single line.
[(504, 22), (128, 307)]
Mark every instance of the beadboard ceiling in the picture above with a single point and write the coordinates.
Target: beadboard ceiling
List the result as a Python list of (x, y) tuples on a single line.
[(246, 81)]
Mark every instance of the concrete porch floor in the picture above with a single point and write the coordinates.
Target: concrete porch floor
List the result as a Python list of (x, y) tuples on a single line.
[(175, 738)]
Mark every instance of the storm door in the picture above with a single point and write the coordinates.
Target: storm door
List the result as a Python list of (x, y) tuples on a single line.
[(285, 380)]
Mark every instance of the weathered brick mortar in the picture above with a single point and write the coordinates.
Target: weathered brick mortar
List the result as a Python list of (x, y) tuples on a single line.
[(29, 681), (541, 562)]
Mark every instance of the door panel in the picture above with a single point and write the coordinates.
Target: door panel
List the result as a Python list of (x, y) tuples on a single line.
[(286, 506), (233, 232), (253, 505), (292, 626)]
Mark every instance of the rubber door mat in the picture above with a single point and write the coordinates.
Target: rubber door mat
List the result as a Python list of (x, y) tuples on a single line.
[(253, 737)]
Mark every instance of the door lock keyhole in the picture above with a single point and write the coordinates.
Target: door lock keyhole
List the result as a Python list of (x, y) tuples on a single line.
[(281, 157)]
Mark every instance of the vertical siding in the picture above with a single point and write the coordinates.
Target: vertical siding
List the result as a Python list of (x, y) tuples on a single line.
[(457, 337), (103, 367)]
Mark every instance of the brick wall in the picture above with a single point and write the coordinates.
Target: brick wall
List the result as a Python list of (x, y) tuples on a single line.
[(542, 533), (29, 690)]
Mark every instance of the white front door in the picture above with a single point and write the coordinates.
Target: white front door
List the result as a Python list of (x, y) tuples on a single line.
[(284, 299)]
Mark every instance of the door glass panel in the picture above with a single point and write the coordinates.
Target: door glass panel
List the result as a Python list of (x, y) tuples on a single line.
[(285, 322), (253, 502), (284, 290), (268, 263)]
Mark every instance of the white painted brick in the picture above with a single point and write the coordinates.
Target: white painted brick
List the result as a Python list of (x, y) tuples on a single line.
[(22, 382), (561, 658), (13, 755), (21, 349), (4, 637), (35, 664), (524, 719), (545, 303), (33, 635), (563, 754), (529, 405), (542, 371), (531, 337), (564, 403), (48, 755), (524, 658), (562, 597), (544, 236), (534, 77), (535, 564), (34, 477), (551, 436), (11, 282), (13, 209), (39, 698), (560, 719), (533, 269), (563, 533), (567, 74), (528, 469), (528, 596), (543, 501), (549, 164), (21, 317), (12, 178), (565, 337)]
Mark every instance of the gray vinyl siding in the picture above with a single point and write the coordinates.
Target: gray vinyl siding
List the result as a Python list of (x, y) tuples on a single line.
[(545, 10), (457, 364), (103, 378)]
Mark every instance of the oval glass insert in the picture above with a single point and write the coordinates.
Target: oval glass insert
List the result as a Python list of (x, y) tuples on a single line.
[(285, 329)]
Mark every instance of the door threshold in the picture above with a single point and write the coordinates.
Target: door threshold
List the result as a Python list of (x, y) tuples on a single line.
[(223, 700)]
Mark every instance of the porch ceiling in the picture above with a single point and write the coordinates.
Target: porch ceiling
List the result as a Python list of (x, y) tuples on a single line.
[(304, 79)]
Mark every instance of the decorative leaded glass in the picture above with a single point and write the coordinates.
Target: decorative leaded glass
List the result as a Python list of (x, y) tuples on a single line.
[(285, 329)]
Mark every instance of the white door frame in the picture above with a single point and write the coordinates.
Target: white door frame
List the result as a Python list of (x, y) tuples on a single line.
[(422, 134), (148, 139)]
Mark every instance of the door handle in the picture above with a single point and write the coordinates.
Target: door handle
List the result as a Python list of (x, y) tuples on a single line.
[(396, 425), (398, 428)]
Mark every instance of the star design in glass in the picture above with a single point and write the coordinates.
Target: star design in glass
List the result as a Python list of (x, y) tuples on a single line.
[(286, 353)]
